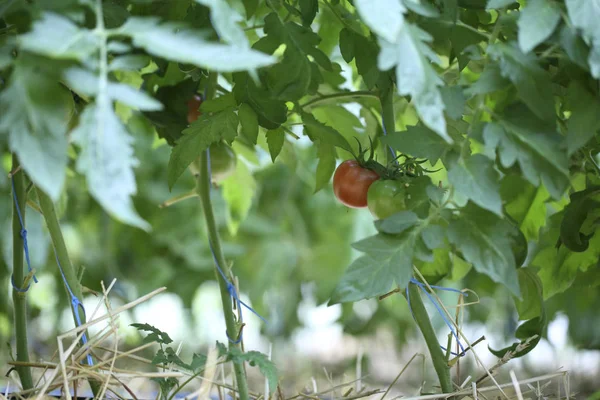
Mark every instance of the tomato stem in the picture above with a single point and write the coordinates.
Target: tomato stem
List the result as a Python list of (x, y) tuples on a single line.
[(424, 323), (19, 298), (203, 186), (388, 119)]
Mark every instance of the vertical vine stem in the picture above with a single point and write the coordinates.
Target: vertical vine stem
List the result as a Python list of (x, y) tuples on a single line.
[(424, 323), (58, 241), (203, 183), (388, 118), (20, 298)]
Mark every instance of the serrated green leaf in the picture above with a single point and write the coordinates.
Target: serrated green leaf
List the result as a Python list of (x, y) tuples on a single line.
[(584, 15), (384, 17), (574, 46), (174, 42), (308, 9), (225, 21), (366, 277), (532, 328), (275, 140), (345, 122), (489, 81), (485, 241), (526, 204), (107, 160), (325, 167), (218, 104), (581, 215), (203, 132), (248, 122), (239, 190), (424, 9), (477, 180), (57, 37), (326, 134), (454, 101), (270, 111), (536, 23), (86, 83), (534, 144), (532, 303), (415, 76), (34, 112), (533, 84), (583, 122), (156, 335), (418, 141), (266, 366), (397, 223)]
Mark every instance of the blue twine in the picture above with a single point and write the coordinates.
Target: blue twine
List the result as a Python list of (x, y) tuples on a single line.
[(230, 286), (77, 305), (23, 234), (439, 309)]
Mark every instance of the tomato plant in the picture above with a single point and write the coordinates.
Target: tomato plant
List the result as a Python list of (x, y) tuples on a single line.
[(501, 99), (386, 197), (351, 183)]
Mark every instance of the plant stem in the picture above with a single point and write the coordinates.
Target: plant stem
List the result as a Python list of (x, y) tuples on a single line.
[(388, 118), (20, 298), (358, 93), (203, 189), (424, 324), (62, 254)]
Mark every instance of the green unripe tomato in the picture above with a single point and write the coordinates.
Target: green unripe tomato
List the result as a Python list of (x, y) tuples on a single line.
[(386, 197), (222, 161)]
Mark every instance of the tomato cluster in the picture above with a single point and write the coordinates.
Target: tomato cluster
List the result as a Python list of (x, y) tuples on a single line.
[(356, 186), (222, 157)]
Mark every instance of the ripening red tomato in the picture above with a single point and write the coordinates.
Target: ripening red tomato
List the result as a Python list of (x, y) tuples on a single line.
[(351, 183), (194, 108)]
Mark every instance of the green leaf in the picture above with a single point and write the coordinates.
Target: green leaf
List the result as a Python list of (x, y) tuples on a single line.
[(57, 37), (347, 44), (308, 9), (532, 328), (239, 190), (256, 359), (203, 132), (583, 124), (536, 23), (107, 160), (270, 111), (418, 141), (485, 241), (326, 165), (156, 335), (397, 223), (534, 144), (584, 15), (366, 277), (129, 62), (490, 80), (225, 21), (581, 216), (34, 112), (476, 179), (526, 204), (422, 8), (414, 74), (275, 140), (248, 122), (218, 104), (326, 134), (384, 17), (533, 83), (574, 46), (532, 303), (87, 83), (176, 43), (454, 101)]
